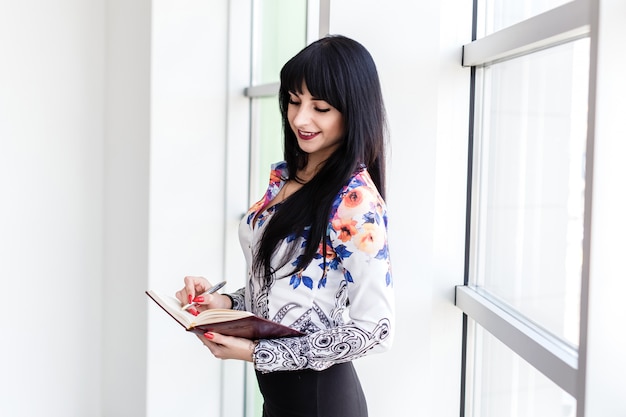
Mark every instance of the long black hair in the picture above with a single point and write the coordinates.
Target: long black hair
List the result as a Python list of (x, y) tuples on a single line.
[(341, 72)]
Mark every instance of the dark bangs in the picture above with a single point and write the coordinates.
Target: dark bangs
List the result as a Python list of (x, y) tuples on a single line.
[(322, 67)]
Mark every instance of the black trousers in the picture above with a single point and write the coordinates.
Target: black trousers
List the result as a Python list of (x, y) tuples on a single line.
[(333, 392)]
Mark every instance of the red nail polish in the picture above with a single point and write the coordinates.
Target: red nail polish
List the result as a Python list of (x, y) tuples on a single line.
[(193, 311), (209, 335), (189, 298), (198, 299)]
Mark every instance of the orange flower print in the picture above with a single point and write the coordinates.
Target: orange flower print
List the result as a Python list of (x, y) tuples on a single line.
[(370, 239), (353, 198), (346, 228), (354, 203)]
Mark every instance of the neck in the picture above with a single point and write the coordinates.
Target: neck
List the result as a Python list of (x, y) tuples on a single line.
[(305, 174)]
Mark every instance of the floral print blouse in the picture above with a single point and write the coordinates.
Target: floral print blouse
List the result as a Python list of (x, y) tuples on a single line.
[(345, 305)]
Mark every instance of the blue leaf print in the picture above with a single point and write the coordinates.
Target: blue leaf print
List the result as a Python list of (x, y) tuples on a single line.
[(297, 261), (307, 281), (334, 264), (388, 278), (295, 281), (322, 282), (261, 221), (343, 252), (369, 217), (304, 235), (383, 253), (348, 276), (335, 205), (357, 181)]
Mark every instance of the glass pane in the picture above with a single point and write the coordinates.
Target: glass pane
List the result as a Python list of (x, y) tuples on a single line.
[(503, 384), (268, 146), (530, 185), (254, 399), (279, 33), (497, 14)]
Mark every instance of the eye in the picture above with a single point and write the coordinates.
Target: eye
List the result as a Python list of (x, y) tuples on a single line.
[(321, 110), (293, 101)]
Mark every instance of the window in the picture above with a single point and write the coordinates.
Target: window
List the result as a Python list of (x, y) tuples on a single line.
[(527, 229), (504, 384), (494, 15), (279, 30)]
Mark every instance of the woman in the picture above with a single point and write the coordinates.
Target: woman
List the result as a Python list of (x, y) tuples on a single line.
[(316, 244)]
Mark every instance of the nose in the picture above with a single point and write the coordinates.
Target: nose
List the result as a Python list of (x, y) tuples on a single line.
[(302, 116)]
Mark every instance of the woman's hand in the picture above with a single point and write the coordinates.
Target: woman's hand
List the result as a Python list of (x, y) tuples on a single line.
[(228, 347), (193, 292)]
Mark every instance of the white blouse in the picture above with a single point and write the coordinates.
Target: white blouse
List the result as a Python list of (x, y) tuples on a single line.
[(345, 306)]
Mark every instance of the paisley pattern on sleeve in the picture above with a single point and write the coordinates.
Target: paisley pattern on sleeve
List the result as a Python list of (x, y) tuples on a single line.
[(239, 299), (319, 350)]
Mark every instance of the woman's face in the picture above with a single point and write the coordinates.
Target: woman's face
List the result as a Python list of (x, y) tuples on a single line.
[(318, 126)]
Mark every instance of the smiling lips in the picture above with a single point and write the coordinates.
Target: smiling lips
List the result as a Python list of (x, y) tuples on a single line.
[(307, 135)]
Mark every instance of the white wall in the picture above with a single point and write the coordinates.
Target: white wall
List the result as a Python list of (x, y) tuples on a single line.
[(51, 206), (417, 51), (126, 179), (74, 133)]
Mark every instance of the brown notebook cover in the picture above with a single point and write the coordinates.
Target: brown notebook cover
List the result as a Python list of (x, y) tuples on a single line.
[(250, 326)]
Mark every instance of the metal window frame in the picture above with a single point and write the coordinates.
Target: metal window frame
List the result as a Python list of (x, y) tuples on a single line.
[(555, 359), (562, 24), (261, 90)]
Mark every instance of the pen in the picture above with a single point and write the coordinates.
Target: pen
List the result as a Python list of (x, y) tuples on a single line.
[(209, 291)]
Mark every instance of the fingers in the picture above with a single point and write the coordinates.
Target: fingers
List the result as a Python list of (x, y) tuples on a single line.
[(216, 349), (193, 285), (181, 296), (217, 338), (228, 347), (207, 301)]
